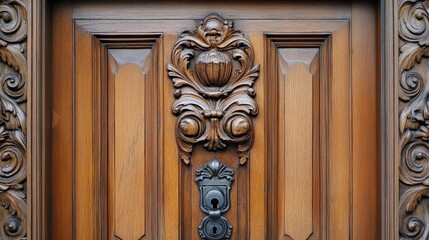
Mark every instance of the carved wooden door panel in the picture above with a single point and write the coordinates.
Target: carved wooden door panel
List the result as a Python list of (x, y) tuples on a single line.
[(214, 121)]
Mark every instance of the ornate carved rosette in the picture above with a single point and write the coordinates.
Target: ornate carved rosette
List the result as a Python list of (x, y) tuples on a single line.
[(414, 119), (213, 73)]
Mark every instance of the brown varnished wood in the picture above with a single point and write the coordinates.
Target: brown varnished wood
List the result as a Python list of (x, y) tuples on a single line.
[(223, 107), (258, 167), (171, 178), (167, 185), (38, 117), (339, 152), (215, 98), (389, 74), (126, 65), (366, 167), (298, 149), (60, 168), (128, 147), (296, 140), (86, 171), (192, 10), (335, 130), (105, 166), (282, 56)]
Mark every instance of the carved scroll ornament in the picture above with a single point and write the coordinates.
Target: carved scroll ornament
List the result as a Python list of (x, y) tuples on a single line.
[(213, 73), (414, 119), (13, 119)]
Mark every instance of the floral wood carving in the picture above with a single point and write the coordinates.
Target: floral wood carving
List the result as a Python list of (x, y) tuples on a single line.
[(13, 119), (213, 73), (414, 119)]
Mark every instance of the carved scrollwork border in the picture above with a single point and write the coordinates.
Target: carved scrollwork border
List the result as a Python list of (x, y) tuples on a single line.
[(413, 29), (213, 72), (13, 119)]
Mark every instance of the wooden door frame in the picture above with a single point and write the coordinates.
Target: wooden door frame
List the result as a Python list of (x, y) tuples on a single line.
[(389, 115), (38, 116)]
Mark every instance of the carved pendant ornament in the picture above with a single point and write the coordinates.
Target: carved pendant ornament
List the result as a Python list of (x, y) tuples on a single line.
[(414, 119), (13, 119), (213, 73)]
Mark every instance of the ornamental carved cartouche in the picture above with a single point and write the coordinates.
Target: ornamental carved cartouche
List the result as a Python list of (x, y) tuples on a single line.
[(414, 119), (13, 119), (213, 73)]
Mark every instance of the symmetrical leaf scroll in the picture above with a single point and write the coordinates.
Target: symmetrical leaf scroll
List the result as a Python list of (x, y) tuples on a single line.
[(213, 73), (414, 119)]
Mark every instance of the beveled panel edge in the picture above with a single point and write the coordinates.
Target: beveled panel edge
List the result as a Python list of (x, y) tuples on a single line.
[(101, 42), (302, 116), (153, 170), (140, 60), (295, 40)]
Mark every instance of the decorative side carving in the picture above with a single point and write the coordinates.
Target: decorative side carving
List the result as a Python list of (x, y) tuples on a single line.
[(414, 119), (13, 119), (213, 73)]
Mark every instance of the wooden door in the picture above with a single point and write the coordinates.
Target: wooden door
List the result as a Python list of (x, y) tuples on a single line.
[(281, 96)]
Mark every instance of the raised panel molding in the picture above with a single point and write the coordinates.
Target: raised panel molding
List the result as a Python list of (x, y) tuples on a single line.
[(130, 71), (13, 119), (413, 119), (413, 85), (296, 142), (295, 136), (117, 103)]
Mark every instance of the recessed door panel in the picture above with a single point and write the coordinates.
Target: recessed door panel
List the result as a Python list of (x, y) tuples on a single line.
[(173, 111), (131, 157), (298, 152)]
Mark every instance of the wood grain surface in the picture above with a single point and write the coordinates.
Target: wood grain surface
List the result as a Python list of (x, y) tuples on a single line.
[(312, 171)]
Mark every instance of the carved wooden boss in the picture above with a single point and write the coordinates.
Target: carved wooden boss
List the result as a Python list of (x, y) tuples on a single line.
[(213, 73)]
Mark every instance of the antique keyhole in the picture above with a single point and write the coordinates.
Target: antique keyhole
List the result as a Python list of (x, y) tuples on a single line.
[(214, 203), (215, 198)]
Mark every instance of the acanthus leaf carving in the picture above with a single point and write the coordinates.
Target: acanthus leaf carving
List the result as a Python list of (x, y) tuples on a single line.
[(13, 119), (414, 119), (213, 73), (413, 215), (413, 30)]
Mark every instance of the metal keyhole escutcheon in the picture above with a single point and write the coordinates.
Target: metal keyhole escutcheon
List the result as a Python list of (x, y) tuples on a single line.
[(214, 182)]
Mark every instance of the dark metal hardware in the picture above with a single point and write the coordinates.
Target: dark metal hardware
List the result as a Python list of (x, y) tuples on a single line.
[(214, 182)]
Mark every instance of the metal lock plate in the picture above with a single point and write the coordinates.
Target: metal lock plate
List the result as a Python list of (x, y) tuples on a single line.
[(214, 182), (215, 228)]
